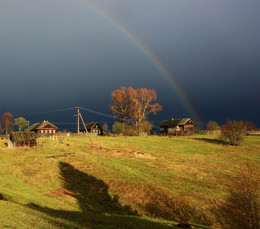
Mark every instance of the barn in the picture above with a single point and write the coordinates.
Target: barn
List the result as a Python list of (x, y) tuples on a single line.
[(44, 127), (22, 139), (184, 126)]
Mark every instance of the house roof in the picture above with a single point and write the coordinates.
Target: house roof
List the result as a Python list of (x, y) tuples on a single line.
[(175, 122), (38, 126), (90, 126), (23, 136)]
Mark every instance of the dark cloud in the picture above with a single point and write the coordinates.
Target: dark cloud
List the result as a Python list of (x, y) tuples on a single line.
[(58, 54)]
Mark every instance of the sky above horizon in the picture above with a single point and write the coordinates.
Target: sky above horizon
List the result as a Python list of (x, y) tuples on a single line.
[(61, 54)]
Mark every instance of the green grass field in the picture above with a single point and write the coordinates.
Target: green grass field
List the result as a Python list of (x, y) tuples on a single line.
[(119, 182)]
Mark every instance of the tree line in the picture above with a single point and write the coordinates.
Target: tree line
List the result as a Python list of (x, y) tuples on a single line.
[(131, 108)]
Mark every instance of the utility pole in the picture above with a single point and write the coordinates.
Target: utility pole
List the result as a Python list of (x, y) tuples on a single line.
[(80, 116)]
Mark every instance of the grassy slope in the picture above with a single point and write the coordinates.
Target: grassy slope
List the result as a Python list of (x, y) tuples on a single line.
[(91, 188)]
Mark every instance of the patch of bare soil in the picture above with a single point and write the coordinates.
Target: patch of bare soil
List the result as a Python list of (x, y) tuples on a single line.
[(61, 192), (120, 152), (143, 155)]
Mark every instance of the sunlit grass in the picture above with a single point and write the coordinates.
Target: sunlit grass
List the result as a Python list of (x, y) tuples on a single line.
[(193, 169)]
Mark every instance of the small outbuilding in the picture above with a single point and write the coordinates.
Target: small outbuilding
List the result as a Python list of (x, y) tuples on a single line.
[(22, 139), (93, 128), (184, 126), (44, 127)]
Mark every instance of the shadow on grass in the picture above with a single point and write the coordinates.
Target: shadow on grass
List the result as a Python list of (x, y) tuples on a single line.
[(209, 140), (97, 208), (2, 197)]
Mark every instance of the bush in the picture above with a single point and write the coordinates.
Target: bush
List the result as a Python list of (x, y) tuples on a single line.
[(130, 130), (146, 127), (233, 132), (212, 125), (117, 128)]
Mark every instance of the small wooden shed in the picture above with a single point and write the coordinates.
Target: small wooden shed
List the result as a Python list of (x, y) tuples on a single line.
[(22, 139)]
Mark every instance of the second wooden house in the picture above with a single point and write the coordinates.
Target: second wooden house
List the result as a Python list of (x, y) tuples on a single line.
[(44, 127), (183, 126), (93, 128)]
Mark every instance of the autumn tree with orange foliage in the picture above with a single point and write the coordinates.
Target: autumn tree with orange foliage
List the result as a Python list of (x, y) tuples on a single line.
[(123, 104), (7, 122), (143, 105), (134, 105)]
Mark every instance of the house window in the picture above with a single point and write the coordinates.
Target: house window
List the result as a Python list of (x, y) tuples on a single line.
[(46, 131), (54, 131), (42, 131), (50, 131)]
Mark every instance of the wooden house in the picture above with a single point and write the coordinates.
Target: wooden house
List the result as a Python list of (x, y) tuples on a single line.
[(184, 126), (22, 139), (44, 127), (93, 128)]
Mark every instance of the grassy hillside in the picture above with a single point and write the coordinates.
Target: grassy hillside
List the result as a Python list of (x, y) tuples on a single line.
[(119, 182)]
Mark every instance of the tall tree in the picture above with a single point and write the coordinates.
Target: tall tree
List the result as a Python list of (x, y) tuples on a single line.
[(21, 123), (123, 104), (143, 105), (7, 122)]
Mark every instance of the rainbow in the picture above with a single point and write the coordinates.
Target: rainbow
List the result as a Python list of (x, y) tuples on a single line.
[(147, 52)]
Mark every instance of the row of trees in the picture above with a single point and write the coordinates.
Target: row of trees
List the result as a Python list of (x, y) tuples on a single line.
[(132, 106), (8, 122)]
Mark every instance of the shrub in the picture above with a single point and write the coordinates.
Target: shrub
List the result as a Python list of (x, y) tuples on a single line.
[(212, 125), (117, 128), (233, 132)]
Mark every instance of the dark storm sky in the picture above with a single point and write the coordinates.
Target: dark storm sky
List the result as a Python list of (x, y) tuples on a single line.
[(59, 54)]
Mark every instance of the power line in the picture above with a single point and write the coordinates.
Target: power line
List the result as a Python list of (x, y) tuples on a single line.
[(97, 112), (43, 112)]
